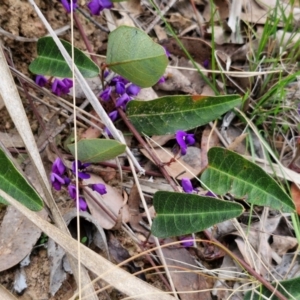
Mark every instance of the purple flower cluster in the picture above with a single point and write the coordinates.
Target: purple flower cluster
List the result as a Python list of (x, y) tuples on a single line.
[(125, 90), (60, 178), (59, 87)]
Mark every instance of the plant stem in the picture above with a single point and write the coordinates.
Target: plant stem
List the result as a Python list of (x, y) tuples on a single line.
[(148, 149)]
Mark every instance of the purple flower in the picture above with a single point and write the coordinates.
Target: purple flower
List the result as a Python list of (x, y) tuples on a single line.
[(161, 80), (40, 80), (106, 130), (184, 139), (66, 4), (119, 79), (61, 86), (96, 6), (206, 64), (58, 167), (82, 204), (81, 166), (68, 83), (123, 100), (67, 180), (210, 194), (187, 185), (187, 241), (72, 191), (133, 90), (57, 181), (105, 94), (167, 52), (99, 188), (114, 115), (120, 87)]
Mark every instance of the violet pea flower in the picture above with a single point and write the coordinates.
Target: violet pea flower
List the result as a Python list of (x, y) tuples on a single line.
[(99, 188), (81, 166), (120, 87), (105, 94), (57, 181), (187, 185), (82, 204), (96, 6), (40, 80), (161, 80), (67, 5), (114, 115), (123, 100), (119, 78), (167, 52), (72, 191), (58, 167), (184, 139), (206, 64), (61, 86), (187, 241), (210, 194), (133, 90), (56, 176)]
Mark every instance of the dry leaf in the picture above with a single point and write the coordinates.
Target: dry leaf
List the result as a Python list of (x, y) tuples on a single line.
[(18, 240), (209, 139), (57, 255), (177, 167), (185, 275), (111, 202), (295, 194), (11, 139)]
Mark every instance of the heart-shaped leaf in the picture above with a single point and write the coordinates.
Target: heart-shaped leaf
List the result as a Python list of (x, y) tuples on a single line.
[(13, 183), (230, 172), (132, 54), (179, 213), (50, 61), (167, 114), (97, 150)]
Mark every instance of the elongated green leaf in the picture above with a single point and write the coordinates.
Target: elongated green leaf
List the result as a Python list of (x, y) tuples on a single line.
[(132, 54), (167, 114), (96, 150), (179, 213), (230, 172), (50, 61), (291, 285), (13, 183)]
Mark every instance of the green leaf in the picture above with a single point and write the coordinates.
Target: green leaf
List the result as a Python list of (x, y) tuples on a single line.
[(167, 114), (14, 184), (96, 150), (230, 172), (179, 213), (50, 61), (132, 54), (291, 285)]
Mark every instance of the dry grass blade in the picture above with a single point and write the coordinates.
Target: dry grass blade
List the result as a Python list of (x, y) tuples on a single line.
[(5, 294), (103, 268)]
